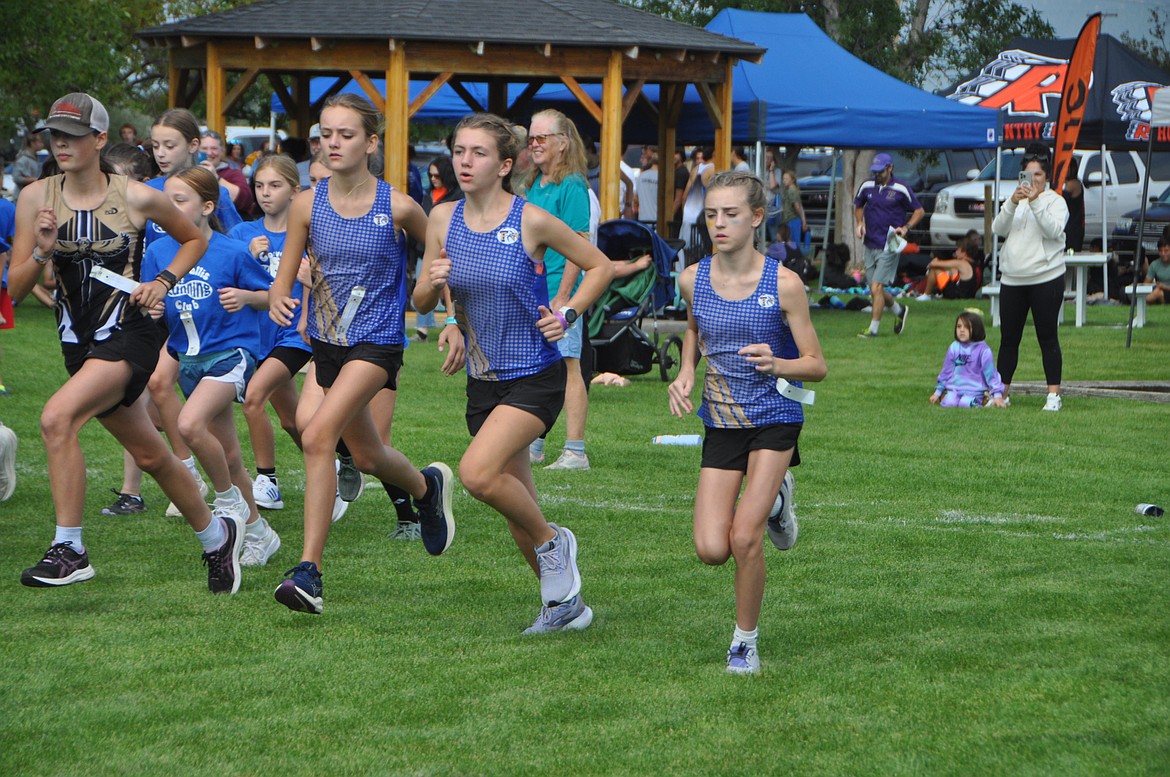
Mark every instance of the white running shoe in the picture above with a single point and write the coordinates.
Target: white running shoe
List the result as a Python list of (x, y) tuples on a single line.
[(173, 511), (1053, 403), (8, 443), (339, 507), (407, 531), (570, 460), (235, 504), (560, 580), (743, 659), (782, 526), (267, 493), (257, 550)]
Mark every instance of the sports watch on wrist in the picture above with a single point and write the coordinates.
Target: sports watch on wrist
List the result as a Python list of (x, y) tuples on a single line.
[(569, 314)]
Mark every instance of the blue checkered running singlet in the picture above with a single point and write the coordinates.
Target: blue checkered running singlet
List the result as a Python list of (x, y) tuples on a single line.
[(359, 273), (499, 287), (735, 396)]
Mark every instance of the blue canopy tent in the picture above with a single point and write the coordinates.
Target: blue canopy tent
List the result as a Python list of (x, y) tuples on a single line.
[(446, 106), (808, 91)]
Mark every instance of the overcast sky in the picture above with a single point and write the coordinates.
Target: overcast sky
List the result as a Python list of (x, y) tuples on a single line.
[(1067, 16)]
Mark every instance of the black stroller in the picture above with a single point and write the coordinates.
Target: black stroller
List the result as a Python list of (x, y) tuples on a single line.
[(615, 323)]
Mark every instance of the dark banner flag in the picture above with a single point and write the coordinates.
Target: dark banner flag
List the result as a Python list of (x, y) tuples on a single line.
[(1074, 100)]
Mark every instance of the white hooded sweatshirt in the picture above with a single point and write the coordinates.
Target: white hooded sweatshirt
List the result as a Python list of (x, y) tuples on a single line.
[(1033, 252)]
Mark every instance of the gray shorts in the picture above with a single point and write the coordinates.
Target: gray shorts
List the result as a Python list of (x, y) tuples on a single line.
[(881, 266)]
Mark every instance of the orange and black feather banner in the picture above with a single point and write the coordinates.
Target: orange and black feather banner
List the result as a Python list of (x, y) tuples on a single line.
[(1074, 99)]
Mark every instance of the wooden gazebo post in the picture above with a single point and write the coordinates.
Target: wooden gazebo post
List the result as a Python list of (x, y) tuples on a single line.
[(611, 138), (397, 116)]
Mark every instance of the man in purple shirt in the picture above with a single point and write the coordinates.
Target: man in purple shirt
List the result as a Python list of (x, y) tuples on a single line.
[(882, 204)]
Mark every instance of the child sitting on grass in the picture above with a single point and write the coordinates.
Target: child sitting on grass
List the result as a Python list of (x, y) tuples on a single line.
[(968, 373)]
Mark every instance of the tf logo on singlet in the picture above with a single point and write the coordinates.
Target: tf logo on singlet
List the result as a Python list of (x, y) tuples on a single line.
[(508, 235), (766, 301), (381, 220)]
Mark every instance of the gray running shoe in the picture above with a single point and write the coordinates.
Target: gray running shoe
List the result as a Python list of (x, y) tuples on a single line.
[(350, 481), (559, 579), (573, 615), (782, 526), (407, 531)]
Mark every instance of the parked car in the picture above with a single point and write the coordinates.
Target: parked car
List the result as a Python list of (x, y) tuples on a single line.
[(1125, 233), (961, 207), (251, 138), (925, 172)]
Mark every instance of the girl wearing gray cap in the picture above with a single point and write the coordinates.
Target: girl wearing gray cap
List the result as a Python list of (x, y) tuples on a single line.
[(89, 224)]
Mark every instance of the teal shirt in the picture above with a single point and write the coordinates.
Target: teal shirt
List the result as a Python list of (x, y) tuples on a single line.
[(1159, 271), (568, 201)]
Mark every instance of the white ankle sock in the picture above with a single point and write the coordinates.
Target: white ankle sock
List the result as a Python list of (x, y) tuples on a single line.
[(256, 529), (71, 534), (214, 536), (748, 637)]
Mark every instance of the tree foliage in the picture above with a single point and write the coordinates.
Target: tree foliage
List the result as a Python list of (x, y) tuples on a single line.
[(918, 41), (1154, 45), (54, 47)]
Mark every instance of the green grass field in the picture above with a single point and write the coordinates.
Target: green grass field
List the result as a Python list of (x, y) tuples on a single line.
[(972, 594)]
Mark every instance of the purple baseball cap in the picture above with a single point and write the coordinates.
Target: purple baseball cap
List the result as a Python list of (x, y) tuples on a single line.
[(880, 162)]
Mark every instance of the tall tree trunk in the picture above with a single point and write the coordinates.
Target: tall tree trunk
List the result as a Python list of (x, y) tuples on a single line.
[(854, 169), (833, 18), (913, 52)]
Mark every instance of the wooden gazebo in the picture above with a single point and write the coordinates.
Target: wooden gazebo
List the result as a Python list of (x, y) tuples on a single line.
[(452, 41)]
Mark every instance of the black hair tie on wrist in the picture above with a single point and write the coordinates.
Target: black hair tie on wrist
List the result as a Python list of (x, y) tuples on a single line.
[(168, 278)]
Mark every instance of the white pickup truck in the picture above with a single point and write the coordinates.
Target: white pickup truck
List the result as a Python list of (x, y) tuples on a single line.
[(960, 208)]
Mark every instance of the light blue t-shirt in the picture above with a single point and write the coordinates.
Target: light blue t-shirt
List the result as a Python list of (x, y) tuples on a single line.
[(225, 211), (209, 328), (271, 333)]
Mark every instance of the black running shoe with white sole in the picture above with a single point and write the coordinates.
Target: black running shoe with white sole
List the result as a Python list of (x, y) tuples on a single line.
[(61, 566), (223, 564)]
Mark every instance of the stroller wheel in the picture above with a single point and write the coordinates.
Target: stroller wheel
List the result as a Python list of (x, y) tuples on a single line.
[(670, 358)]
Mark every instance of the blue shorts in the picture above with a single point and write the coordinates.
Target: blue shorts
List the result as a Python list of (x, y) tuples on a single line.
[(570, 344), (235, 367)]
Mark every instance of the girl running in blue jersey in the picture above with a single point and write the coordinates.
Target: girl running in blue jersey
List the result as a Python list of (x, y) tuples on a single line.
[(355, 325), (285, 352), (489, 249), (749, 316), (89, 223), (174, 141), (215, 339)]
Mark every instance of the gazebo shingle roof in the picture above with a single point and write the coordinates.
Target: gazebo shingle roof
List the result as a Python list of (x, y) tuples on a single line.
[(559, 22)]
